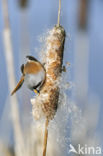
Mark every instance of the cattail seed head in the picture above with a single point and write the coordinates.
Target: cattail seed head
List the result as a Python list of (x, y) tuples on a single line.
[(46, 103)]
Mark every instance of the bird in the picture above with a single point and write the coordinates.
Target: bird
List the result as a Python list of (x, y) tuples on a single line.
[(33, 75)]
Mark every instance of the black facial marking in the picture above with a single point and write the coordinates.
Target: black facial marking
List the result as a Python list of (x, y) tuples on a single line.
[(32, 58), (34, 87)]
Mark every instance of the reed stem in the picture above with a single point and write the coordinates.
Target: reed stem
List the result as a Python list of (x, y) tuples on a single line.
[(59, 11), (8, 52), (45, 137)]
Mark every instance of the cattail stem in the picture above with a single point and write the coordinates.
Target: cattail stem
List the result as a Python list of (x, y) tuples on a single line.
[(59, 11), (45, 137), (46, 103)]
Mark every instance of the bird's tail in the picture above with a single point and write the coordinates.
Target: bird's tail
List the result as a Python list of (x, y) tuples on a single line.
[(18, 85)]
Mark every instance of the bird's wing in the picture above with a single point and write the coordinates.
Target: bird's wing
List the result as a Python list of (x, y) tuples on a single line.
[(18, 85)]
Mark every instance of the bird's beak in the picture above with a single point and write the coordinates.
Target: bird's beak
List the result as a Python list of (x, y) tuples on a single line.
[(35, 91)]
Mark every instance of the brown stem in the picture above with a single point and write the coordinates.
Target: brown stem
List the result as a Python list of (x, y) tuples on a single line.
[(45, 137)]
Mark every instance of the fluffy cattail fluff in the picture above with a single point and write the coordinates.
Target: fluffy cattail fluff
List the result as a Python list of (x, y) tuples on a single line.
[(46, 103)]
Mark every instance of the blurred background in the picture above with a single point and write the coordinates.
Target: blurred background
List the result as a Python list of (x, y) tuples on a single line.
[(23, 27)]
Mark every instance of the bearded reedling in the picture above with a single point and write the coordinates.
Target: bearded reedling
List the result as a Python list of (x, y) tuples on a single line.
[(33, 74)]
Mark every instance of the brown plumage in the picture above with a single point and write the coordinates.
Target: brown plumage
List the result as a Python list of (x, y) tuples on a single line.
[(33, 74), (32, 67)]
